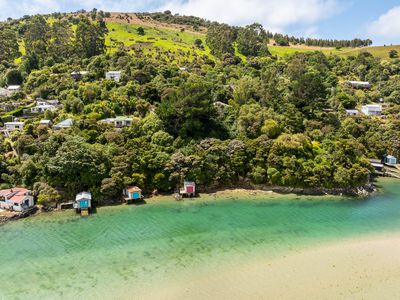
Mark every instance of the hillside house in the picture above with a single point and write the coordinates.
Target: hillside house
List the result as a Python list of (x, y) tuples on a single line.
[(390, 160), (39, 109), (352, 112), (14, 88), (132, 194), (40, 101), (118, 122), (68, 123), (79, 74), (189, 189), (11, 126), (83, 201), (16, 199), (114, 75), (359, 84), (372, 110), (45, 123)]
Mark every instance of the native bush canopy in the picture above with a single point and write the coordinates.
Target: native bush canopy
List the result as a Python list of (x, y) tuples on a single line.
[(219, 120)]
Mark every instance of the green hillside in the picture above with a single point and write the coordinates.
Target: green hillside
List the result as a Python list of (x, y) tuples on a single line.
[(379, 51), (166, 41), (163, 41), (176, 41)]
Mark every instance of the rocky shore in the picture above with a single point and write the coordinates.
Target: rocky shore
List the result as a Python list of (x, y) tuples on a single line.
[(362, 191), (9, 216)]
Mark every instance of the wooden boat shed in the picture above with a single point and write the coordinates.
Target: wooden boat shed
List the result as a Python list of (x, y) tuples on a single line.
[(132, 194), (83, 203), (189, 189)]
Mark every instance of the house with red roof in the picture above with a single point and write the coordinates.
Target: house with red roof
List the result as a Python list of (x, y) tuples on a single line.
[(16, 199)]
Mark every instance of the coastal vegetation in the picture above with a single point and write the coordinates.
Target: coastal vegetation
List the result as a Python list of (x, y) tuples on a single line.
[(216, 108)]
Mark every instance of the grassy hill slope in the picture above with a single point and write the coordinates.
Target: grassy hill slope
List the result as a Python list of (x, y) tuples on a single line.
[(171, 42), (177, 38), (174, 42)]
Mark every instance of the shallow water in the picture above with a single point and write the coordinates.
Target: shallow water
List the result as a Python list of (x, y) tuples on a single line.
[(126, 251)]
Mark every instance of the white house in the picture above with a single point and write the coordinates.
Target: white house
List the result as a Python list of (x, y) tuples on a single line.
[(38, 109), (47, 102), (64, 124), (359, 84), (11, 126), (45, 122), (372, 110), (118, 122), (79, 74), (16, 199), (352, 112), (114, 75), (14, 88)]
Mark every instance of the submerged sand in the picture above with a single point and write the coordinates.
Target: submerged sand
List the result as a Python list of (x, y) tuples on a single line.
[(365, 269)]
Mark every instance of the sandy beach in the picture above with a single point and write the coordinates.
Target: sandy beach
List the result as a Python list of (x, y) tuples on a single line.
[(365, 269)]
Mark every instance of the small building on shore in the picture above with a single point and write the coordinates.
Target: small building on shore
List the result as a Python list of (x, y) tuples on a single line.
[(83, 202), (114, 75), (188, 189), (372, 110), (132, 194), (16, 199), (390, 160)]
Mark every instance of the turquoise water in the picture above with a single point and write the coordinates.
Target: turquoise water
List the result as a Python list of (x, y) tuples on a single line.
[(128, 250)]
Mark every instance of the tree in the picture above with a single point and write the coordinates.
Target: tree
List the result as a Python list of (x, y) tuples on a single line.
[(140, 31), (47, 195), (89, 38), (198, 43), (37, 36), (77, 165), (9, 49), (60, 47), (220, 38), (252, 40), (393, 53), (14, 77), (189, 111)]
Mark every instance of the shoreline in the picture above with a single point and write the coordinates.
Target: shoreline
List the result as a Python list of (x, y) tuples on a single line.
[(242, 191), (367, 268), (360, 191)]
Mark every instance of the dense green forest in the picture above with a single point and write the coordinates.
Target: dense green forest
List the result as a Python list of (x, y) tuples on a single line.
[(219, 121)]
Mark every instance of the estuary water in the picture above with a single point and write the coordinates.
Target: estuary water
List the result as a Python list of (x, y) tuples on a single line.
[(124, 252)]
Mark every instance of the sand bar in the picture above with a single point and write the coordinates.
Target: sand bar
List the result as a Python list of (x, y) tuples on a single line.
[(365, 269)]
